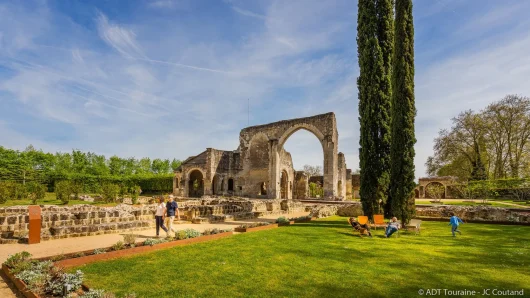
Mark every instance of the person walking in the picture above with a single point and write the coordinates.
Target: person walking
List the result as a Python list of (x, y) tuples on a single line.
[(172, 208), (455, 221), (159, 217)]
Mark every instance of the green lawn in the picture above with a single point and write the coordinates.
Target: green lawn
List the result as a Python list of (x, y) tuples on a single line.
[(325, 259), (50, 199)]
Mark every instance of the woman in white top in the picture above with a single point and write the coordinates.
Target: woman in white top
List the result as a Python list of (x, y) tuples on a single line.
[(159, 217)]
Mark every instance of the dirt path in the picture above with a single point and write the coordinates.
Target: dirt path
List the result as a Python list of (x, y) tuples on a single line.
[(68, 245)]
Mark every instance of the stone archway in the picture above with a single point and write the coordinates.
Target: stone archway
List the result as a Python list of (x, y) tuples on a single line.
[(276, 134), (429, 190), (195, 184), (284, 185), (215, 185)]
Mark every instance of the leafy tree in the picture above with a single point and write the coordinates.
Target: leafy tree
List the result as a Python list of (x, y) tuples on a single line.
[(313, 170), (144, 165), (160, 166), (36, 191), (465, 139), (315, 190), (110, 192), (175, 164), (136, 190), (63, 191), (115, 165), (79, 162), (374, 102), (76, 187), (435, 191)]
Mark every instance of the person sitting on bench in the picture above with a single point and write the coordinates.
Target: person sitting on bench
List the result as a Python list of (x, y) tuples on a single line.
[(357, 226), (392, 227)]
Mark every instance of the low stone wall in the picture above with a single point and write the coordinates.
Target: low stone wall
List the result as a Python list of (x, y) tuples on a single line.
[(475, 213), (77, 220), (347, 209)]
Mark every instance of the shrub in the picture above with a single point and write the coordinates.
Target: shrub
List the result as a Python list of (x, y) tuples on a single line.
[(79, 254), (58, 285), (152, 242), (118, 246), (62, 191), (191, 233), (36, 191), (36, 276), (253, 225), (226, 230), (135, 192), (35, 280), (109, 191), (98, 251), (76, 187), (282, 220), (14, 260), (21, 192), (58, 258), (181, 234), (207, 232), (130, 239), (93, 293), (5, 192)]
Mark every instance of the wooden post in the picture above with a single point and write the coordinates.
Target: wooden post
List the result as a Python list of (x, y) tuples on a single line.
[(35, 221)]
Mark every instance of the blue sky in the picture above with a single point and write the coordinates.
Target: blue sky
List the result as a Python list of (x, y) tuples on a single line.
[(170, 78)]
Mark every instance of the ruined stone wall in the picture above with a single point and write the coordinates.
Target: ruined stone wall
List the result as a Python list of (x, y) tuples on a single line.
[(349, 193), (474, 213), (77, 220), (341, 184), (276, 134), (301, 186)]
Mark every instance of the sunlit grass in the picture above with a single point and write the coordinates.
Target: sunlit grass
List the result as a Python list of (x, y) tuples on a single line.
[(325, 259)]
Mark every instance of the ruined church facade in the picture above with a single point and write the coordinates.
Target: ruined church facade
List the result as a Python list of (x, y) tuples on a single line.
[(260, 167)]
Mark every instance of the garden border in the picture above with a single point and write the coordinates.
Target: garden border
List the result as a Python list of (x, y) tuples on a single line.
[(267, 227), (20, 284)]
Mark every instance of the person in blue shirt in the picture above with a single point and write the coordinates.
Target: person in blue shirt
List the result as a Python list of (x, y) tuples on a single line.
[(455, 221), (172, 207)]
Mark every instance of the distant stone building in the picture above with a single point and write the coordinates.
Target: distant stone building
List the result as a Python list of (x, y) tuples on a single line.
[(422, 190), (260, 167)]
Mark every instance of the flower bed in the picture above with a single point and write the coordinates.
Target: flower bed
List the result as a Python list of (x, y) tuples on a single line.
[(302, 219), (45, 277), (255, 227)]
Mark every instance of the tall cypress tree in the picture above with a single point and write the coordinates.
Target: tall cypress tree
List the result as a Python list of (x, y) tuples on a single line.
[(403, 113), (374, 101), (385, 37)]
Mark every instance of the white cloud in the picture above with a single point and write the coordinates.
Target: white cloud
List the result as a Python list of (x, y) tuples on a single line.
[(121, 39)]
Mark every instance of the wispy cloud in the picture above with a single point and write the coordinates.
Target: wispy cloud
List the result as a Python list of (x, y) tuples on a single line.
[(121, 39), (157, 82), (248, 13)]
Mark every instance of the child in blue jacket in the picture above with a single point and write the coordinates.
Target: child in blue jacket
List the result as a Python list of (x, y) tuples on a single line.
[(454, 221)]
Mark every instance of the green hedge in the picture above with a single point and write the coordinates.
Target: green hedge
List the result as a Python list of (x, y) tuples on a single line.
[(92, 184)]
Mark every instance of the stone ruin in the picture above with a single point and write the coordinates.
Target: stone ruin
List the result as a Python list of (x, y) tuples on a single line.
[(88, 220), (74, 221), (261, 168), (475, 213)]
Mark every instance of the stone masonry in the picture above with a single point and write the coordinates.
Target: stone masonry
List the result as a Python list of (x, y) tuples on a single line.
[(260, 167)]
